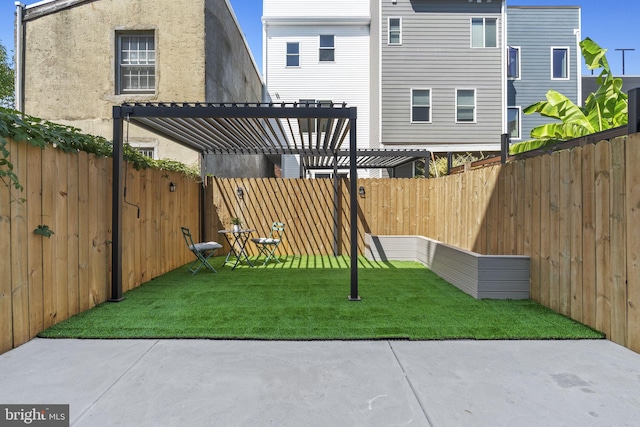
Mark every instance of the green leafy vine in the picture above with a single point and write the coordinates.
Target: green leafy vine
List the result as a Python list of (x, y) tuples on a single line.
[(40, 133)]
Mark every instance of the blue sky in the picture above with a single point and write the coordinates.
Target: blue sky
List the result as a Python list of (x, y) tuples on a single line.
[(612, 24)]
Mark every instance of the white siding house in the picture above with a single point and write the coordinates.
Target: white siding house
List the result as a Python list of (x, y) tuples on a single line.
[(318, 52)]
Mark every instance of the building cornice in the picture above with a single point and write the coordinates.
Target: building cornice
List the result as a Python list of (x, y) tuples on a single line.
[(316, 20)]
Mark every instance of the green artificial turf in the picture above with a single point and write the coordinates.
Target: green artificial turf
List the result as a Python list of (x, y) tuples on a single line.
[(306, 298)]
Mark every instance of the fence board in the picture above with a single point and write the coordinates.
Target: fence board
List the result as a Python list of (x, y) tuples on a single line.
[(60, 226), (33, 194), (603, 238), (618, 245), (589, 288), (520, 208), (576, 235), (94, 225), (546, 228), (73, 244), (536, 228), (129, 212), (493, 222), (510, 204), (49, 244), (564, 233), (6, 316), (19, 253), (554, 231), (84, 239), (632, 217)]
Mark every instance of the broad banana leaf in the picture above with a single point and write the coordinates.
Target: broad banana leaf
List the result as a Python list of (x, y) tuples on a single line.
[(604, 109), (562, 108)]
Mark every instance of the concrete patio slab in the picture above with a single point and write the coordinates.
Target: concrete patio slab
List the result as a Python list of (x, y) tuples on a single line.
[(327, 383)]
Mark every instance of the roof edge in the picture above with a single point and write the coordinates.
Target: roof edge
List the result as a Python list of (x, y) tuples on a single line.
[(48, 7)]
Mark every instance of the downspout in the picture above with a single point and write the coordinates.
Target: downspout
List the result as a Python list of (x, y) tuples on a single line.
[(578, 35), (19, 61), (503, 71), (336, 205)]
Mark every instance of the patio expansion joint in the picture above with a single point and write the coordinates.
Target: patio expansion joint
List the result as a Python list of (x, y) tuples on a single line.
[(116, 381), (413, 389)]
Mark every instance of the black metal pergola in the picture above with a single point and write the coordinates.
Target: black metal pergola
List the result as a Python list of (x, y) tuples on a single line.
[(316, 132)]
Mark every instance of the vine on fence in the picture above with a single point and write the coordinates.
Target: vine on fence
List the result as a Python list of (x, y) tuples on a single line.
[(40, 133)]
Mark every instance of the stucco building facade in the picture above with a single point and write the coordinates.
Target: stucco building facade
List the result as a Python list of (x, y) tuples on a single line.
[(78, 58)]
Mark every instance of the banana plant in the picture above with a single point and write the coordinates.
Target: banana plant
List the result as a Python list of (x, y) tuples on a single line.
[(604, 109)]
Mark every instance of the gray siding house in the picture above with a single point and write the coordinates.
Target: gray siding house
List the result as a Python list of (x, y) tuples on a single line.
[(441, 72), (543, 53)]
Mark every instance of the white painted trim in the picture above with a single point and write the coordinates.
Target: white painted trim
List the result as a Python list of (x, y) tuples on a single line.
[(475, 105), (519, 49), (484, 33), (411, 105), (503, 66), (578, 34), (519, 108), (568, 49), (389, 18)]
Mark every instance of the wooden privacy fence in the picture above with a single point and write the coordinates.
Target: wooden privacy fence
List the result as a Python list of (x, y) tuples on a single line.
[(46, 280), (576, 213)]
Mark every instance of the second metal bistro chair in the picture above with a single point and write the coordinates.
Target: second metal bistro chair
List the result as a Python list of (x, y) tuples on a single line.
[(203, 251), (268, 245)]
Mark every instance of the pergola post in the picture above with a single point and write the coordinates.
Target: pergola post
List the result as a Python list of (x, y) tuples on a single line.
[(336, 204), (116, 208), (353, 181)]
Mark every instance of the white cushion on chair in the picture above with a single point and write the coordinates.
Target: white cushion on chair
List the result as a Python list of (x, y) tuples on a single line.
[(265, 240), (206, 246)]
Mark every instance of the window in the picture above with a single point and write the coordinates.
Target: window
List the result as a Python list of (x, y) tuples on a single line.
[(144, 149), (484, 32), (327, 48), (293, 54), (513, 63), (420, 105), (136, 63), (465, 105), (322, 123), (306, 124), (395, 31), (513, 118), (560, 63)]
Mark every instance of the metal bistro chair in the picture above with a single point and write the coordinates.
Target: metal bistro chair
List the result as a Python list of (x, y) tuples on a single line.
[(203, 251), (268, 245)]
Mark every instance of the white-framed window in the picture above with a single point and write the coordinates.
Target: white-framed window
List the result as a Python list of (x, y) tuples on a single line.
[(327, 48), (513, 62), (395, 31), (514, 122), (420, 105), (559, 63), (484, 32), (293, 54), (147, 151), (465, 105), (311, 124), (319, 175), (322, 123), (307, 124), (136, 59)]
